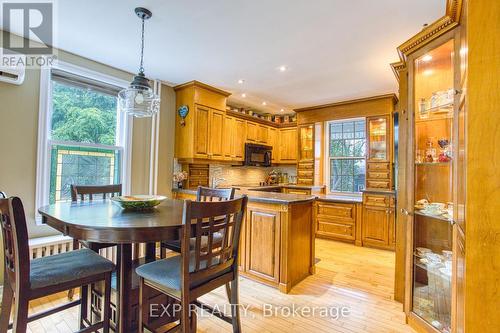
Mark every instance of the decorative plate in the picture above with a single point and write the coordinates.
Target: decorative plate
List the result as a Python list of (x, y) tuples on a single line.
[(138, 202)]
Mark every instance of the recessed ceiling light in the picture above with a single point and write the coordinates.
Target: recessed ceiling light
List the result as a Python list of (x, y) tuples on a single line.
[(264, 103), (427, 58), (282, 110), (428, 72), (243, 95), (240, 81), (283, 68)]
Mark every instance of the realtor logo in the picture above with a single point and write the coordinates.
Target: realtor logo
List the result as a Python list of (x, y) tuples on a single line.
[(33, 21)]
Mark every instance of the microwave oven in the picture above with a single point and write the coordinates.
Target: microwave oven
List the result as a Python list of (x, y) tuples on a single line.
[(258, 155)]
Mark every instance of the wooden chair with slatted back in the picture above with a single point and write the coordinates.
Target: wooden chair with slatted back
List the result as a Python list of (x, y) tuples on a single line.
[(26, 280), (204, 194), (199, 270), (92, 192)]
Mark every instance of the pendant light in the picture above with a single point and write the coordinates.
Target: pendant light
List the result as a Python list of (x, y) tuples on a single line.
[(139, 99)]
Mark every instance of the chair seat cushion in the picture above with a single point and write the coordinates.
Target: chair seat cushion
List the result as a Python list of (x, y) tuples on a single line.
[(66, 267), (175, 245), (166, 273)]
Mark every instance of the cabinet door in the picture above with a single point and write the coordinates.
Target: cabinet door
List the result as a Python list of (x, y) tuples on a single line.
[(262, 134), (262, 244), (375, 229), (378, 130), (228, 138), (216, 150), (272, 140), (288, 144), (252, 132), (335, 220), (239, 136), (201, 132)]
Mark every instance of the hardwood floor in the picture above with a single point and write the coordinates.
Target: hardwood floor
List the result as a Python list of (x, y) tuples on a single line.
[(359, 279)]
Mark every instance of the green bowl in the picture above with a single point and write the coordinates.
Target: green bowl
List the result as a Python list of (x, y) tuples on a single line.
[(138, 202)]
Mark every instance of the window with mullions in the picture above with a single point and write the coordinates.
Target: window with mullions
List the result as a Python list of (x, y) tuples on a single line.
[(84, 146), (347, 150)]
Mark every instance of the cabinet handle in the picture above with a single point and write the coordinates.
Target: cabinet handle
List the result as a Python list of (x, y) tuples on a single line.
[(405, 212)]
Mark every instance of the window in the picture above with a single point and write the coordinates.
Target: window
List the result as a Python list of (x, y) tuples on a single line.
[(83, 139), (346, 151)]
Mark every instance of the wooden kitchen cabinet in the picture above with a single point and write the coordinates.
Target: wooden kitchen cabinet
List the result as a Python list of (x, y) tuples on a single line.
[(335, 220), (378, 228), (288, 145), (228, 138), (202, 130), (272, 140), (215, 135), (239, 136), (263, 244), (262, 134), (252, 132)]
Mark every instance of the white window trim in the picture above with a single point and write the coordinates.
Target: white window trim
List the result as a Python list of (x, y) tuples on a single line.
[(124, 130), (327, 156)]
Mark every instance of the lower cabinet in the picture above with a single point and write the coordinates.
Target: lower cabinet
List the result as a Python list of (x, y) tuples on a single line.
[(378, 227), (336, 220), (262, 242)]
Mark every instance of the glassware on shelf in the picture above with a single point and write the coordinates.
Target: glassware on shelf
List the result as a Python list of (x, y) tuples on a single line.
[(423, 108), (377, 131), (430, 152), (419, 156)]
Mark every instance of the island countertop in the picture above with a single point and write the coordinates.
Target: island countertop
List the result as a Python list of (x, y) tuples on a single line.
[(264, 197)]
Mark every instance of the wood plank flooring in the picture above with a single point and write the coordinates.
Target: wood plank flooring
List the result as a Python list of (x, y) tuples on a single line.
[(359, 279)]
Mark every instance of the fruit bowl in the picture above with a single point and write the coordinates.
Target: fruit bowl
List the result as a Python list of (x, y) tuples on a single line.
[(138, 202)]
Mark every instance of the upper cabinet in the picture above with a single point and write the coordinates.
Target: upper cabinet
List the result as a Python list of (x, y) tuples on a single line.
[(288, 146), (378, 138), (204, 130)]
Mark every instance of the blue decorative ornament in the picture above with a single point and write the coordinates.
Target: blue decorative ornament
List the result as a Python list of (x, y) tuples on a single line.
[(183, 112)]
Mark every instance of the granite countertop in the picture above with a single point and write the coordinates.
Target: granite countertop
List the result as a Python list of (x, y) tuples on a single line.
[(276, 186), (266, 197), (339, 198)]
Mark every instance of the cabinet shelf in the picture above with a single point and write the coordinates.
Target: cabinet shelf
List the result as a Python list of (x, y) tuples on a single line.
[(437, 217)]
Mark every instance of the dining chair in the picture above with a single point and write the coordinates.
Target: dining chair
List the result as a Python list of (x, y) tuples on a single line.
[(25, 280), (91, 191), (203, 194), (3, 195), (199, 270)]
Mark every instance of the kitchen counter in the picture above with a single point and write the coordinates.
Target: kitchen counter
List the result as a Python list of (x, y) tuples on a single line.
[(264, 197), (339, 198)]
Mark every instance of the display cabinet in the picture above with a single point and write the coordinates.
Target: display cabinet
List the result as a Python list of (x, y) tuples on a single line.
[(431, 162), (305, 165), (379, 166)]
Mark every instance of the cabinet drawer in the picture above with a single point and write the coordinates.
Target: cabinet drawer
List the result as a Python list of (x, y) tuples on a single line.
[(379, 184), (376, 175), (296, 191), (378, 200), (306, 165), (378, 166), (305, 173), (335, 230), (346, 212), (305, 181)]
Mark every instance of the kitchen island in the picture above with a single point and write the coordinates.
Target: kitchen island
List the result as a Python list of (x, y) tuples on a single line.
[(277, 239)]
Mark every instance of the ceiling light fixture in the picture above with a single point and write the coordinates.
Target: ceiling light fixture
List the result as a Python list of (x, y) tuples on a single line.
[(264, 103), (240, 81), (283, 68), (138, 99), (243, 95), (427, 58), (282, 110)]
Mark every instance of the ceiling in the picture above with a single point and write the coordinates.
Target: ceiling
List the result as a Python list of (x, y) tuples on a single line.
[(333, 49)]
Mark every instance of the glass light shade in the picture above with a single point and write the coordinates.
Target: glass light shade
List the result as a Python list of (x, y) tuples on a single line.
[(139, 102)]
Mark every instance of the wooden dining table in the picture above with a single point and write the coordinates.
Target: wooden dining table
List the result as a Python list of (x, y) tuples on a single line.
[(104, 222)]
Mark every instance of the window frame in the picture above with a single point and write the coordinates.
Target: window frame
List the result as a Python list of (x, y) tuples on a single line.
[(45, 143), (328, 159)]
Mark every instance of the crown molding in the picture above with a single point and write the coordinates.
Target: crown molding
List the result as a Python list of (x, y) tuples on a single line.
[(441, 26)]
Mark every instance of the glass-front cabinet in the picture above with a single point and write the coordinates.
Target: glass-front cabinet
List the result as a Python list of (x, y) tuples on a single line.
[(432, 95), (378, 136)]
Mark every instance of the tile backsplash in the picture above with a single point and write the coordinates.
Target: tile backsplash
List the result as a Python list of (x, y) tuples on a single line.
[(243, 175)]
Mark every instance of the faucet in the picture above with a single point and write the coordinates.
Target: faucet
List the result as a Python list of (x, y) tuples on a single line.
[(216, 181)]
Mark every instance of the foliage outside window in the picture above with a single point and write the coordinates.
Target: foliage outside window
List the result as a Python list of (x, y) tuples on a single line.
[(346, 151), (83, 137)]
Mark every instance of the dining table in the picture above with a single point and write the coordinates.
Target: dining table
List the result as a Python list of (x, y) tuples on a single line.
[(103, 221)]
